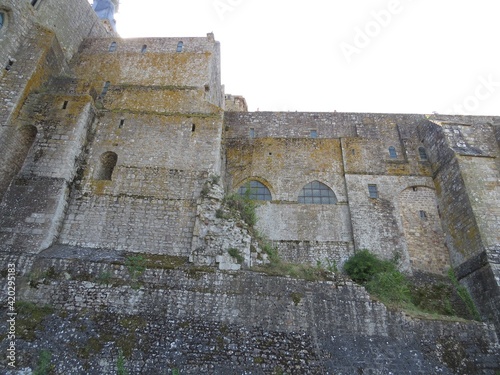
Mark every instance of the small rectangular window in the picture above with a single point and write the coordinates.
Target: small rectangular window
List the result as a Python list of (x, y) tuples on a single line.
[(65, 104), (423, 215), (373, 191), (252, 133), (122, 121), (314, 134)]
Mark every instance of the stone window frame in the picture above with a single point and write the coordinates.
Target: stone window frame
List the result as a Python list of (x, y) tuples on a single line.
[(316, 192), (255, 190), (392, 152), (373, 191), (5, 20), (106, 166), (422, 153)]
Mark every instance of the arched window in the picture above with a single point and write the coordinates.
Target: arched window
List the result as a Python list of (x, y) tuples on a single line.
[(107, 163), (392, 152), (317, 193), (112, 47), (422, 153), (179, 46), (255, 190)]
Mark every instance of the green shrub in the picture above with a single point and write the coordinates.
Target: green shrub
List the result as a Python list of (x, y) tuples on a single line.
[(243, 206), (363, 265)]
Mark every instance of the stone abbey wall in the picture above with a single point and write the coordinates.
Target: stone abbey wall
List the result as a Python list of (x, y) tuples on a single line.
[(112, 147)]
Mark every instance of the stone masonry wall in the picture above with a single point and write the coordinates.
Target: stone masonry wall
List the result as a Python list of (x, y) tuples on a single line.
[(201, 321)]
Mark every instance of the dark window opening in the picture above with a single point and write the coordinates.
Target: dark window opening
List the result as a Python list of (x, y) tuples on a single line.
[(392, 152), (144, 48), (107, 163), (353, 152), (422, 153), (372, 190), (180, 45), (193, 128), (255, 190), (65, 104), (414, 188), (314, 134), (105, 88), (33, 2), (317, 193), (9, 65), (122, 121), (423, 215), (112, 47)]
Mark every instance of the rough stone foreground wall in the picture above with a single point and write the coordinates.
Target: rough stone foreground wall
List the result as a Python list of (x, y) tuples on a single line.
[(206, 321)]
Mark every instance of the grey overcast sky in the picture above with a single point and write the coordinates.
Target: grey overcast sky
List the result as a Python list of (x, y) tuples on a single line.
[(395, 56)]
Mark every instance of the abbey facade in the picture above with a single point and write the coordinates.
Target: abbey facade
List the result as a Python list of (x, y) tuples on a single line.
[(107, 144)]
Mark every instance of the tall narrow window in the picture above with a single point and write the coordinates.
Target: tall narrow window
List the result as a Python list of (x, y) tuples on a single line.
[(423, 215), (372, 190), (144, 48), (392, 152), (107, 163), (65, 104), (180, 45), (251, 133), (2, 19), (112, 47), (122, 121), (105, 88), (193, 128), (317, 193), (255, 190), (422, 153)]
